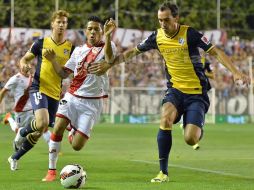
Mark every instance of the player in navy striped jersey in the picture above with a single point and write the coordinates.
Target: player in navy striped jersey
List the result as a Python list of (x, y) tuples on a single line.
[(187, 84)]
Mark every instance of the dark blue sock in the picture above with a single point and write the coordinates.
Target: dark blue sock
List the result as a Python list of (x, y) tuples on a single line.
[(28, 129), (25, 147), (164, 140)]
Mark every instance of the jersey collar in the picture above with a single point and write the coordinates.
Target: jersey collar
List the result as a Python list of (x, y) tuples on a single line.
[(177, 31)]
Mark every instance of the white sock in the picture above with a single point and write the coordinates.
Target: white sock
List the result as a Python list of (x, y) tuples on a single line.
[(54, 149), (13, 124), (46, 136)]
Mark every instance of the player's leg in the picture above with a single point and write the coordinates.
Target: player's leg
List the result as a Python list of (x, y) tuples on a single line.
[(194, 118), (22, 119), (169, 115), (63, 118), (33, 132), (55, 146), (41, 120), (8, 119), (85, 120), (195, 146), (46, 135)]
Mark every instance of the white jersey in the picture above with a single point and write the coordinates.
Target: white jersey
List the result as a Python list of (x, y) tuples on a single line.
[(18, 85), (83, 84)]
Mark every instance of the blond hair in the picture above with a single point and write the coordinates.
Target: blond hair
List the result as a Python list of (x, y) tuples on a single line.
[(59, 13)]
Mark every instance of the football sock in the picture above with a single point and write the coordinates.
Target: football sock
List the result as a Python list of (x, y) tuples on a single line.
[(164, 140), (27, 145), (54, 149), (29, 129), (12, 123), (46, 136)]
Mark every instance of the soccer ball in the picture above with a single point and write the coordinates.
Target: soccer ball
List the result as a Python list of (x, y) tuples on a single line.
[(73, 176)]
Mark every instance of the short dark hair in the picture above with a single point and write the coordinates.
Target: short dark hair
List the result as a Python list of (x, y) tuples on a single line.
[(95, 19), (167, 5)]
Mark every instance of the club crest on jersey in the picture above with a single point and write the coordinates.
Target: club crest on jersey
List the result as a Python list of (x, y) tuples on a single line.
[(66, 51), (205, 40), (181, 41)]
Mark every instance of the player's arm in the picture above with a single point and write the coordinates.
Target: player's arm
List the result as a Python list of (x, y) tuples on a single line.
[(226, 61), (102, 66), (108, 29), (26, 59), (3, 92), (50, 55), (197, 39), (147, 44), (34, 51)]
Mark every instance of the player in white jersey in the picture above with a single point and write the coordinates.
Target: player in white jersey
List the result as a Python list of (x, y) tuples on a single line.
[(82, 104), (19, 85)]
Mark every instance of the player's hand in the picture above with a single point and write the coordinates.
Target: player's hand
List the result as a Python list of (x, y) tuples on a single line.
[(99, 68), (241, 80), (49, 54), (109, 27)]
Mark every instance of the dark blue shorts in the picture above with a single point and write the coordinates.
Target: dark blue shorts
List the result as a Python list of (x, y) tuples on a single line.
[(40, 100), (191, 106)]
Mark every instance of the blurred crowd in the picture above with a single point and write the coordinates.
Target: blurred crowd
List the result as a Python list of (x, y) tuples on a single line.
[(145, 70)]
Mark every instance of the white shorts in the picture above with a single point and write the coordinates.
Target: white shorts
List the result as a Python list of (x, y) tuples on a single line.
[(82, 113), (23, 119)]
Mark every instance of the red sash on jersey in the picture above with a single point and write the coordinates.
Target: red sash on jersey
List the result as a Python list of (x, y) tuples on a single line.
[(23, 99), (83, 65)]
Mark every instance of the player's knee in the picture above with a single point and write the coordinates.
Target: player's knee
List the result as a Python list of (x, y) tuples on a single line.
[(41, 124), (191, 139), (166, 122), (76, 147)]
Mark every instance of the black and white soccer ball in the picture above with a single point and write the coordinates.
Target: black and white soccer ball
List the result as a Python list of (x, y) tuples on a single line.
[(73, 176)]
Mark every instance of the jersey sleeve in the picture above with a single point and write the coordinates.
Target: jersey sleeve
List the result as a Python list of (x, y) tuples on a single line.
[(36, 47), (11, 83), (196, 39), (148, 43)]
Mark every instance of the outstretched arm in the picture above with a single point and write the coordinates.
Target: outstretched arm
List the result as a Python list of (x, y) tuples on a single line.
[(26, 59), (102, 67), (225, 60), (50, 55)]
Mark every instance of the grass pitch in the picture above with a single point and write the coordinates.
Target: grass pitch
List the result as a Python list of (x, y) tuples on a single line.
[(124, 157)]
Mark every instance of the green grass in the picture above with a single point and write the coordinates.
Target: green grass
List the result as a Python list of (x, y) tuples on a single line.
[(124, 157)]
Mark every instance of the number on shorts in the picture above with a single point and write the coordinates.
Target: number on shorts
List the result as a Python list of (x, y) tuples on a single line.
[(37, 97)]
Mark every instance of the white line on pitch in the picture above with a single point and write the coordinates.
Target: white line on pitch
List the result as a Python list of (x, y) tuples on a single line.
[(198, 169)]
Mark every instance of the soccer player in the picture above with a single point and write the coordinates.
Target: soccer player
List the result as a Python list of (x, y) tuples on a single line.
[(19, 85), (46, 86), (187, 85), (82, 104)]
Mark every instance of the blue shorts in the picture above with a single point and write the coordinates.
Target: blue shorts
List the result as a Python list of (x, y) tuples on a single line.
[(191, 106), (40, 100)]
